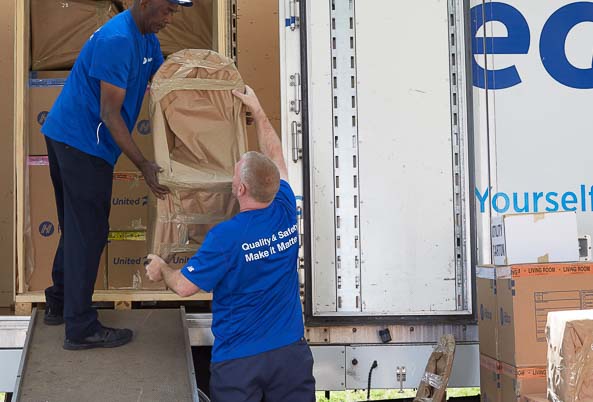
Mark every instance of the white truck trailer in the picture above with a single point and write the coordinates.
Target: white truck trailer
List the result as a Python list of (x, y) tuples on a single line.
[(408, 125)]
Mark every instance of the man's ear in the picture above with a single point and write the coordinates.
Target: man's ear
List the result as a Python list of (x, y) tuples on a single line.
[(242, 189)]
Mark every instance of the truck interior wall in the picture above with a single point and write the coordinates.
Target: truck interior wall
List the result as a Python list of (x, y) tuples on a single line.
[(22, 52), (258, 56), (7, 154)]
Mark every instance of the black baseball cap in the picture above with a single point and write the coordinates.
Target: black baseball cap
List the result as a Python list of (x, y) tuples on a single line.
[(185, 3)]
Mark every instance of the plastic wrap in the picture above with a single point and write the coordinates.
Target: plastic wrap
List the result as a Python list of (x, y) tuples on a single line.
[(570, 356), (199, 135)]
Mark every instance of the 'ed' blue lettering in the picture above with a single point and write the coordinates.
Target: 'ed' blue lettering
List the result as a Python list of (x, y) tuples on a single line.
[(517, 42), (552, 44)]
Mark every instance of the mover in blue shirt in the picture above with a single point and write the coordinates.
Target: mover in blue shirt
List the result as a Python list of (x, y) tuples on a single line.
[(86, 130), (250, 264)]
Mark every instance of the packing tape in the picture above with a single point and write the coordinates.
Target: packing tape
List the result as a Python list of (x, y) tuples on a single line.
[(206, 61), (46, 82), (489, 363), (37, 161), (127, 176), (486, 273), (529, 270), (193, 219), (539, 217), (135, 236), (524, 372), (432, 379), (161, 88), (544, 259)]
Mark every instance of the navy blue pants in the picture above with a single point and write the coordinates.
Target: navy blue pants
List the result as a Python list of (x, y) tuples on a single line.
[(280, 375), (82, 186)]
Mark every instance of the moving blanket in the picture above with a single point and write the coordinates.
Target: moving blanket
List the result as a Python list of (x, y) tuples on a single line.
[(199, 135)]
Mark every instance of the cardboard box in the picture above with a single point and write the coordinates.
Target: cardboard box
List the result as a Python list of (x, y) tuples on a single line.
[(190, 28), (515, 383), (487, 311), (179, 260), (125, 262), (44, 89), (44, 229), (42, 94), (489, 380), (142, 135), (526, 293), (55, 46), (535, 238), (129, 203), (43, 75), (535, 398), (570, 355)]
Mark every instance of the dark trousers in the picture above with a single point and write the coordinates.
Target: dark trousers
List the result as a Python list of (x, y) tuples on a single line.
[(82, 185), (280, 375)]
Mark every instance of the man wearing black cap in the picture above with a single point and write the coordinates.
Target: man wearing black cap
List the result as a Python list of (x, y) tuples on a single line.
[(86, 131)]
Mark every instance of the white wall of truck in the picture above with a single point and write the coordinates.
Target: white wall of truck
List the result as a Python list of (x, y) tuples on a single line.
[(533, 123), (461, 110)]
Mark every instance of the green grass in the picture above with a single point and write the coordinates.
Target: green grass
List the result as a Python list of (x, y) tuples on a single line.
[(352, 396)]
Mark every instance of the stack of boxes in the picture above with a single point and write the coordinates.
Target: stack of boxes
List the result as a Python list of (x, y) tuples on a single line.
[(55, 47), (536, 270), (44, 88), (128, 219)]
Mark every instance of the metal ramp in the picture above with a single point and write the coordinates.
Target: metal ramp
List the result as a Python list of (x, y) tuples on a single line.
[(156, 366)]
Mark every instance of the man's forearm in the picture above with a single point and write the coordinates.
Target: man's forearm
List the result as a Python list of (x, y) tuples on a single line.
[(119, 131), (175, 281), (170, 278), (269, 142)]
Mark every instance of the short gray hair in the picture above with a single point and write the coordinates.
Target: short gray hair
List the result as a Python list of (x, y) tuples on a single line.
[(260, 175)]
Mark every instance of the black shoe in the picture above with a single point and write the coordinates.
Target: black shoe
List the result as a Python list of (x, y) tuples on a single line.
[(53, 316), (103, 338)]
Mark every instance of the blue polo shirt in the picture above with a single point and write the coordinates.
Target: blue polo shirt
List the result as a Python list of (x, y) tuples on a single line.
[(119, 54), (250, 264)]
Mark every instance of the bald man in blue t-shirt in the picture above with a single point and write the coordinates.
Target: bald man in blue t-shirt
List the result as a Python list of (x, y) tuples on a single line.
[(86, 130), (250, 264)]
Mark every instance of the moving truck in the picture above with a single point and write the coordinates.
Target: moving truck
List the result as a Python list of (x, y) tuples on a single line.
[(407, 125)]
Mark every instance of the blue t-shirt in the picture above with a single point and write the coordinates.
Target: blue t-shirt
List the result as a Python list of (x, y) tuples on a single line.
[(250, 263), (119, 54)]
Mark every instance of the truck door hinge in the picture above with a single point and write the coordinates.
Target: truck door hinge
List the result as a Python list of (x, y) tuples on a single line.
[(295, 104), (400, 376), (297, 149), (293, 21), (300, 225)]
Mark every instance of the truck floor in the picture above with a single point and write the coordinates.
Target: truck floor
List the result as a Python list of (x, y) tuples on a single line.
[(153, 367)]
